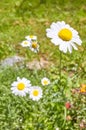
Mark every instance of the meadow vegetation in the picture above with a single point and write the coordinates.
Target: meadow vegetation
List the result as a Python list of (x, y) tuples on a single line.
[(19, 18)]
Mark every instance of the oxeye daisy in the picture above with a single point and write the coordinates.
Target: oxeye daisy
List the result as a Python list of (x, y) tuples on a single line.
[(34, 46), (31, 38), (45, 81), (21, 86), (35, 93), (25, 43), (64, 36)]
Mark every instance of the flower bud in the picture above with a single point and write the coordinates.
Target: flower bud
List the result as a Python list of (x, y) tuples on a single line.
[(68, 105)]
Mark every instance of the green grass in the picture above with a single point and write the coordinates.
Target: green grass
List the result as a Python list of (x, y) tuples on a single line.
[(19, 19)]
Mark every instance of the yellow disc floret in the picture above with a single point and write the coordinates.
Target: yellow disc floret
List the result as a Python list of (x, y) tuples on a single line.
[(45, 82), (31, 36), (65, 34), (34, 45), (35, 92), (20, 86)]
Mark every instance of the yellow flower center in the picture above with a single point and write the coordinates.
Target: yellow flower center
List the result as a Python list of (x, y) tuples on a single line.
[(34, 45), (45, 82), (65, 34), (20, 86), (25, 42), (35, 92), (31, 36)]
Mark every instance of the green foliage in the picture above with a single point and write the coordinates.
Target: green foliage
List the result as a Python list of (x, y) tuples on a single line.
[(48, 113), (77, 112), (23, 17)]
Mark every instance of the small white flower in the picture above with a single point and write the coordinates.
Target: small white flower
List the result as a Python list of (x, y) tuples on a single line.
[(45, 81), (34, 46), (35, 93), (64, 36), (25, 43), (21, 86), (31, 37)]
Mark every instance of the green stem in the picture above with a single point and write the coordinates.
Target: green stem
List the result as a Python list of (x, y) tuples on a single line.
[(65, 114), (28, 56), (60, 64)]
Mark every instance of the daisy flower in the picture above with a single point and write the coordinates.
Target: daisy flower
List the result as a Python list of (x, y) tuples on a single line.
[(25, 43), (31, 38), (21, 86), (34, 46), (45, 81), (35, 93), (64, 36)]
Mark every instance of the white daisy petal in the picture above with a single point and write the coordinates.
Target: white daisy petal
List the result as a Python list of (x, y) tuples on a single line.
[(25, 80), (74, 46), (77, 41), (48, 29), (25, 43), (54, 26), (74, 32), (63, 47), (55, 41), (67, 26), (12, 88), (14, 84), (18, 78), (51, 34), (64, 36), (69, 48), (61, 24), (31, 37)]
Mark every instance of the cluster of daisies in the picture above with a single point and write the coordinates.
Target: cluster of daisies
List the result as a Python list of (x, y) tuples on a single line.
[(61, 34), (31, 42), (23, 86)]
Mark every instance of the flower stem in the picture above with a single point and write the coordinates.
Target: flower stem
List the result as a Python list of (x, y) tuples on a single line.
[(60, 64)]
